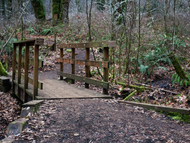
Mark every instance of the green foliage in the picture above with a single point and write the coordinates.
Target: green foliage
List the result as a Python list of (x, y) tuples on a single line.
[(31, 30), (177, 79), (48, 31), (68, 50)]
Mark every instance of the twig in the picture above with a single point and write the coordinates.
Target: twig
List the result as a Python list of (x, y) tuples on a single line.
[(14, 29)]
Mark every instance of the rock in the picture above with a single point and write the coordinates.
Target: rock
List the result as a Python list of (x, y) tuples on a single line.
[(16, 127), (76, 134)]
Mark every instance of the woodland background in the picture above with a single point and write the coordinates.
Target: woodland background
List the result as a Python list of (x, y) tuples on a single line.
[(146, 32)]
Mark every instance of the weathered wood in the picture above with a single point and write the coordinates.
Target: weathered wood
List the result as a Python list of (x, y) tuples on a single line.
[(61, 63), (88, 45), (30, 81), (14, 66), (158, 107), (35, 79), (4, 81), (106, 58), (31, 62), (32, 103), (87, 67), (5, 88), (19, 68), (85, 79), (101, 64), (73, 64), (39, 41), (30, 42), (26, 65)]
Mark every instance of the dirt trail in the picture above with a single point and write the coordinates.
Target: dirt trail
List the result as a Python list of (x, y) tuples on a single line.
[(101, 121), (80, 54)]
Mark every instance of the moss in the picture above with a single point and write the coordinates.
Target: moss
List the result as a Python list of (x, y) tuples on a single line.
[(23, 124), (3, 72), (36, 108), (57, 10), (39, 9), (68, 50), (138, 88), (133, 93), (177, 66)]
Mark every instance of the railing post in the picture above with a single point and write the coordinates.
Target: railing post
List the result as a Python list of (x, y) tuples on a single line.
[(73, 65), (14, 67), (35, 79), (61, 63), (106, 58), (26, 65), (87, 68), (19, 69)]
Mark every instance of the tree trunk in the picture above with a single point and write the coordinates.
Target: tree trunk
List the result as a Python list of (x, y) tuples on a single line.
[(60, 11), (65, 11), (177, 66), (39, 9), (9, 8), (3, 7)]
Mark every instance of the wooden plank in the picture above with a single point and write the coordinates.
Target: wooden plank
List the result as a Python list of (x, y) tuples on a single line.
[(73, 64), (28, 91), (39, 41), (32, 103), (14, 66), (5, 88), (26, 66), (158, 107), (35, 78), (89, 45), (4, 81), (30, 81), (61, 63), (85, 79), (31, 62), (19, 68), (87, 67), (106, 58), (30, 42), (101, 64)]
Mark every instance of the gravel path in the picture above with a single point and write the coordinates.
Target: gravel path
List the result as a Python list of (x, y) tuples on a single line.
[(101, 121)]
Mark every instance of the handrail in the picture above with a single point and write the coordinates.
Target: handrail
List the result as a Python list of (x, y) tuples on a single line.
[(22, 89), (103, 64)]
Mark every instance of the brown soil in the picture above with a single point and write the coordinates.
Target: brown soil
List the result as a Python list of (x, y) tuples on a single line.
[(98, 120)]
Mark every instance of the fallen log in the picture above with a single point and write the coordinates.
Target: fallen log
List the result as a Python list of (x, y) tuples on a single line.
[(138, 88)]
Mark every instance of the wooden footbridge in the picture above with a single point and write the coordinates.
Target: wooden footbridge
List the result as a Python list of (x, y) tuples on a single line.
[(26, 88)]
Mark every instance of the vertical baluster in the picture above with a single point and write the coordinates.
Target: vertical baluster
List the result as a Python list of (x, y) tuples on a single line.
[(14, 67), (106, 58), (73, 65), (61, 64), (19, 69), (26, 66), (87, 68), (35, 78)]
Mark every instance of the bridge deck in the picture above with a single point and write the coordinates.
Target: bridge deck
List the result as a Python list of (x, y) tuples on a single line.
[(58, 89)]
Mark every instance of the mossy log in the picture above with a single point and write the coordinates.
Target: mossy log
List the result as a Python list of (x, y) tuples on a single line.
[(177, 66), (130, 95), (3, 72), (39, 9), (138, 88), (60, 11)]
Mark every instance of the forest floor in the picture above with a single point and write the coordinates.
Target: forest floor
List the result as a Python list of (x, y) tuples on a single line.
[(9, 112), (100, 120)]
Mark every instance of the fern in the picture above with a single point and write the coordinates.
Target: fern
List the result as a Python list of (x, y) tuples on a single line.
[(177, 79), (48, 31)]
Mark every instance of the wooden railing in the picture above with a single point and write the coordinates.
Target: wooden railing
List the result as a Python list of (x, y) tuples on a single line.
[(103, 64), (21, 89)]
